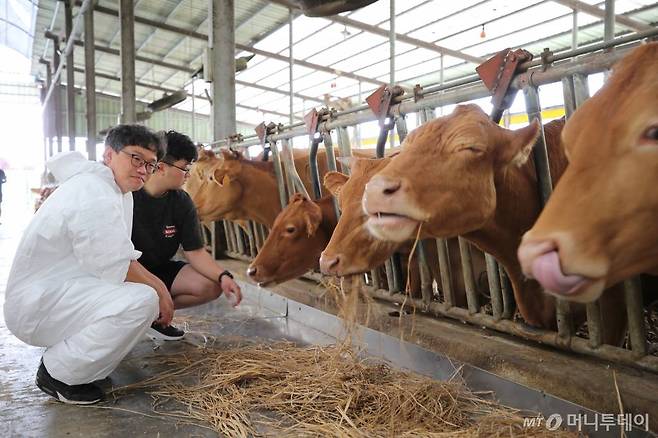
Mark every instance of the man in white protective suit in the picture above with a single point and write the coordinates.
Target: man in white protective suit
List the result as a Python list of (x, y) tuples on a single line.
[(75, 286)]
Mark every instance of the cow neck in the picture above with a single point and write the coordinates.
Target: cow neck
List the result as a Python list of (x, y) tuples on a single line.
[(517, 207), (260, 195), (329, 219)]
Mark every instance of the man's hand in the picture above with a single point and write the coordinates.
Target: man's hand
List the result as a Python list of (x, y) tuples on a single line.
[(231, 289), (166, 308)]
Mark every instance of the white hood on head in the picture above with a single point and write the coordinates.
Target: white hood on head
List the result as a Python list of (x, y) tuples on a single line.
[(68, 164)]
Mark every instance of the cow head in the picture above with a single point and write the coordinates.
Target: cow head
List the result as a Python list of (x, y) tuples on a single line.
[(600, 225), (294, 243), (351, 249), (444, 176), (200, 186)]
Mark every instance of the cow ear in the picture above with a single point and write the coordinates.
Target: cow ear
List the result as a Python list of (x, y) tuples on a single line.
[(334, 181), (312, 217), (516, 146), (225, 174)]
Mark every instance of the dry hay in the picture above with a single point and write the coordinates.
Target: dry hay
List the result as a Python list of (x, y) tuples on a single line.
[(321, 391)]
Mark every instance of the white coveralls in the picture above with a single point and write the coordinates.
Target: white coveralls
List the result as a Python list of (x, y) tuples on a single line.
[(66, 289)]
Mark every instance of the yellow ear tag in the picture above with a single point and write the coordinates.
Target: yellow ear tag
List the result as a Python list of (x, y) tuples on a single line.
[(225, 180)]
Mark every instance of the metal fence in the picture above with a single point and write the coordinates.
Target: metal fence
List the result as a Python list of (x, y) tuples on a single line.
[(494, 310)]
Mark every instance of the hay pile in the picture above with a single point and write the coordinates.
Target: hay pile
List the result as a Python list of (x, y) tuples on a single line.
[(322, 391)]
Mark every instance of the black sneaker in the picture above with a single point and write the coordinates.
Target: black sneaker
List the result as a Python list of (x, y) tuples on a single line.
[(84, 394), (168, 333)]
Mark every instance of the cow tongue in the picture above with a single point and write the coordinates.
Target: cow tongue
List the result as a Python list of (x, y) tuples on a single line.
[(546, 270)]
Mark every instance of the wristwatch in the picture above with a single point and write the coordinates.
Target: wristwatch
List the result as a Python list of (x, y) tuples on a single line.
[(227, 273)]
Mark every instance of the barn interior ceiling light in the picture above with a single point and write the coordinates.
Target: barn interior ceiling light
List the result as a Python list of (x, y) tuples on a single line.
[(483, 34)]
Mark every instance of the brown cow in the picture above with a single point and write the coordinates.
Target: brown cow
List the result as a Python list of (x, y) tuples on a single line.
[(600, 226), (298, 236), (353, 250), (458, 175), (238, 188)]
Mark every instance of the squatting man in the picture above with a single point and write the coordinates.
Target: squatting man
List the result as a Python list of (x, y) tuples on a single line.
[(75, 286)]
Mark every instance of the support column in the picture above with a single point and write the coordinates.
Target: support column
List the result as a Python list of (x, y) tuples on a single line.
[(57, 96), (128, 94), (609, 23), (391, 39), (70, 76), (291, 64), (222, 42), (90, 83)]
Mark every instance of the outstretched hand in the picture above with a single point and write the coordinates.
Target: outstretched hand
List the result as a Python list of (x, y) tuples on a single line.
[(231, 289)]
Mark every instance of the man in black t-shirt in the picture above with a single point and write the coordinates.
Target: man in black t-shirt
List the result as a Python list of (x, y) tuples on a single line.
[(164, 217)]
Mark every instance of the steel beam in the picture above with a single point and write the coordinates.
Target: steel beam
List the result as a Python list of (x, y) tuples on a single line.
[(128, 96), (204, 37), (599, 13), (222, 43), (70, 77), (90, 84)]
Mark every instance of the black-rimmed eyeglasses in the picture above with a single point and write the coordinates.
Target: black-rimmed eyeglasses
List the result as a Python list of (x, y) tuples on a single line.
[(137, 161), (182, 169)]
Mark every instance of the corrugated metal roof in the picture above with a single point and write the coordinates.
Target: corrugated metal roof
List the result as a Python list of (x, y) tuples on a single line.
[(530, 24)]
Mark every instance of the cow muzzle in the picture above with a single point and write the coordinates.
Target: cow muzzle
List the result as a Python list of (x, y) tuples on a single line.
[(329, 264), (541, 260)]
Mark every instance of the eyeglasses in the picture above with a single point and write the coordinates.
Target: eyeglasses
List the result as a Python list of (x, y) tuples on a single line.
[(137, 161), (182, 169)]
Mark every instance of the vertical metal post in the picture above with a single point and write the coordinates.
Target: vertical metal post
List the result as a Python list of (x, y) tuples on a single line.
[(580, 89), (469, 281), (569, 97), (357, 128), (70, 76), (636, 329), (509, 306), (278, 173), (193, 110), (446, 275), (494, 287), (313, 164), (574, 30), (391, 40), (57, 96), (49, 114), (291, 65), (90, 82), (228, 230), (289, 180), (222, 42), (609, 21), (127, 50), (344, 145), (219, 240), (251, 237), (239, 239), (425, 276), (540, 155)]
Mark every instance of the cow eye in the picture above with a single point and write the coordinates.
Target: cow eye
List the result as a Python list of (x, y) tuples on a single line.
[(290, 229), (472, 149), (651, 134)]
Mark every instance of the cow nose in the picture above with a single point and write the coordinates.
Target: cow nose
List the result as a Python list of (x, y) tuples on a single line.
[(329, 264), (531, 249), (251, 271), (384, 185)]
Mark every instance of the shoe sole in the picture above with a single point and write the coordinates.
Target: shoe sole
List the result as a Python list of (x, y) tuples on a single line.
[(157, 336), (61, 398)]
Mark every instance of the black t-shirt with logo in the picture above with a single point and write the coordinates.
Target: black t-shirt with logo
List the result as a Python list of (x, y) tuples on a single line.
[(160, 225)]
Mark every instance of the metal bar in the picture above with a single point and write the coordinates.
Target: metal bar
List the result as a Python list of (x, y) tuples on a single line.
[(90, 84), (202, 36), (446, 275), (580, 88), (49, 111), (128, 96), (57, 97), (70, 77), (401, 128), (239, 239), (509, 305), (251, 236), (278, 173), (229, 243), (569, 96), (574, 30), (291, 64), (331, 162), (289, 177), (425, 276), (391, 41), (344, 146), (578, 345), (469, 282), (607, 15), (636, 329), (388, 268), (222, 42), (594, 324), (494, 287), (313, 163), (536, 77)]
